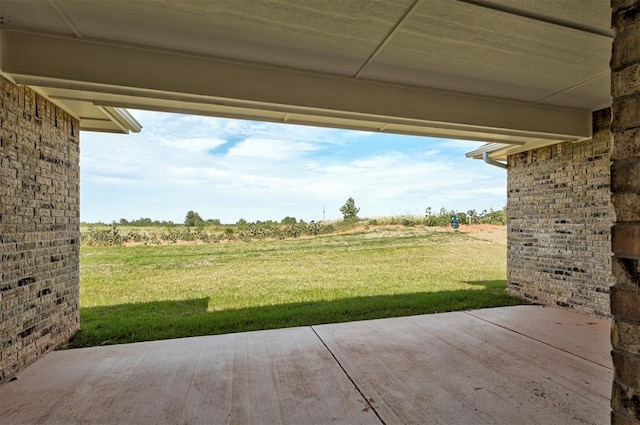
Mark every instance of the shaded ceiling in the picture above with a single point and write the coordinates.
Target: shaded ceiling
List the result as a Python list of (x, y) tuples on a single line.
[(508, 71)]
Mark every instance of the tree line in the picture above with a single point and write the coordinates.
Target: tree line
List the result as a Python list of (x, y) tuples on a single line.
[(349, 213)]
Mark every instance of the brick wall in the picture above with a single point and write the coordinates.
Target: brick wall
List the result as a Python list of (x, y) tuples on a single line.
[(625, 197), (39, 227), (559, 219)]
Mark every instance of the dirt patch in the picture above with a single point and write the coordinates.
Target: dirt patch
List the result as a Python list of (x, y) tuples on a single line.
[(394, 230), (488, 232)]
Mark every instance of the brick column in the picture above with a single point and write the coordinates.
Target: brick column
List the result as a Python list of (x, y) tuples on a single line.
[(625, 196), (39, 227), (559, 223)]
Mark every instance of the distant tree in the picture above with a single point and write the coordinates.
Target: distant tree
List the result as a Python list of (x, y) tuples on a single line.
[(442, 218), (289, 221), (214, 221), (349, 210), (193, 219), (124, 222), (463, 218), (140, 222), (473, 216), (242, 223), (493, 217)]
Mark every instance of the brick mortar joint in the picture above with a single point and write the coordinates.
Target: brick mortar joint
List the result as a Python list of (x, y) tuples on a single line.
[(617, 6), (622, 224), (625, 354), (626, 160), (622, 26), (622, 414), (615, 69), (626, 288), (626, 320), (624, 387), (620, 9), (618, 255)]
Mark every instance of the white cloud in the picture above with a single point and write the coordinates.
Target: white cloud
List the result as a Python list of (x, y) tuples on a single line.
[(270, 149), (270, 171), (196, 144), (158, 125), (113, 180)]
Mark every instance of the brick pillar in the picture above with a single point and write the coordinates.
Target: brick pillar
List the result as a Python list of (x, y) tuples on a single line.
[(625, 196), (559, 251), (39, 227)]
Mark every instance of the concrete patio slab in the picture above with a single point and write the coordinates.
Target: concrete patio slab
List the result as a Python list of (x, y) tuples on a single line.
[(279, 376), (575, 333), (450, 368), (454, 368)]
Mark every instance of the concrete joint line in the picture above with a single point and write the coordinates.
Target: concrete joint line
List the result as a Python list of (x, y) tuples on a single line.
[(366, 400), (537, 340)]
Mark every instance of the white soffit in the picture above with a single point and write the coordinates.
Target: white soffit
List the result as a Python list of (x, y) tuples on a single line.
[(501, 151), (92, 117), (500, 70)]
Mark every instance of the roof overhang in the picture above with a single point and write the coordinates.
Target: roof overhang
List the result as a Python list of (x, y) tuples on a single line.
[(410, 78), (500, 151), (92, 117), (192, 84)]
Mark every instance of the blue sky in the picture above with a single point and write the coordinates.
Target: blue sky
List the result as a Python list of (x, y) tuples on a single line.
[(232, 169)]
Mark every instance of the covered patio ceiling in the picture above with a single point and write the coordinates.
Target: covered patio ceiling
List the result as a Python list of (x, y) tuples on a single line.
[(505, 71)]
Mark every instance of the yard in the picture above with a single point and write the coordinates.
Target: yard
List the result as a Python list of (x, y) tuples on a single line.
[(142, 293)]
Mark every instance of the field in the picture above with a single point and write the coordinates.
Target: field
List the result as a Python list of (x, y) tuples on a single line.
[(140, 293)]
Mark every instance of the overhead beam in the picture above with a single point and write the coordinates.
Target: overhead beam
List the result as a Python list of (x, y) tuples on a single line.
[(95, 65)]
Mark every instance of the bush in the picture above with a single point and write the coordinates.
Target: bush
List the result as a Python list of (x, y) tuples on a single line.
[(443, 218), (100, 234), (408, 222), (110, 236), (289, 221)]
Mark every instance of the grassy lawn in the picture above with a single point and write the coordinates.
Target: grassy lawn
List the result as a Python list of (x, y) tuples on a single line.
[(142, 293)]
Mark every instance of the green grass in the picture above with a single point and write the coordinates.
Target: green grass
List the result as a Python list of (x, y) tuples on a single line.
[(141, 293)]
